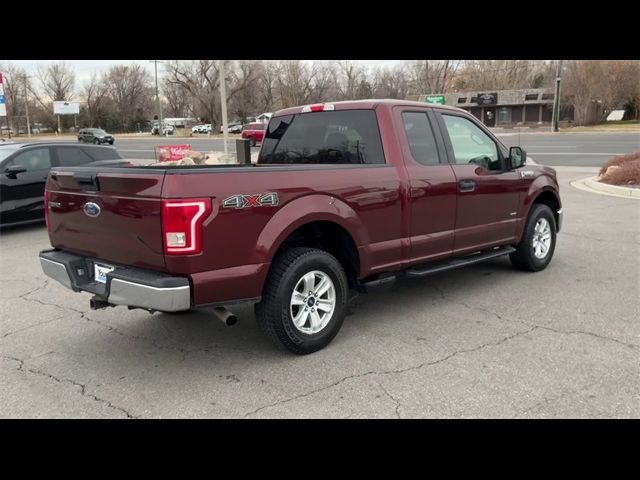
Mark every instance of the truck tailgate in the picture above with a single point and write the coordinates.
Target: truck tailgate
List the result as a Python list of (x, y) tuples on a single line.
[(124, 224)]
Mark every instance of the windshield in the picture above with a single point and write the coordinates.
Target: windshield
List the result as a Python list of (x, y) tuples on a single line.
[(5, 152)]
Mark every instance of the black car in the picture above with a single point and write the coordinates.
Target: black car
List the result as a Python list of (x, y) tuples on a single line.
[(95, 135), (24, 168)]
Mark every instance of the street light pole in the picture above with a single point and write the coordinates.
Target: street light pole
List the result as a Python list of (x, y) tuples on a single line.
[(223, 102), (556, 97), (160, 133), (26, 105)]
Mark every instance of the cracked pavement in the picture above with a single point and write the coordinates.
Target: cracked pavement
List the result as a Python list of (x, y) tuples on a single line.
[(482, 342)]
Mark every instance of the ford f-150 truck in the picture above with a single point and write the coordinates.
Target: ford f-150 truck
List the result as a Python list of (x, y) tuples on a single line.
[(344, 196)]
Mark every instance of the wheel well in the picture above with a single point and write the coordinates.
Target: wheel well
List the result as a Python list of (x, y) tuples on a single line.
[(331, 238), (549, 199)]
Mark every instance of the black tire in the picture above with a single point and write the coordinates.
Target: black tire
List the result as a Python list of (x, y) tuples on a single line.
[(274, 311), (111, 142), (524, 258), (96, 141), (252, 142)]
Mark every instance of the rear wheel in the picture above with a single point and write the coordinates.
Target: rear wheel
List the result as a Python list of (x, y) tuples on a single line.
[(535, 250), (304, 301), (252, 142)]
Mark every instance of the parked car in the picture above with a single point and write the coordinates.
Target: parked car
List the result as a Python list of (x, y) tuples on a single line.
[(166, 130), (254, 132), (232, 128), (95, 135), (24, 168), (351, 195)]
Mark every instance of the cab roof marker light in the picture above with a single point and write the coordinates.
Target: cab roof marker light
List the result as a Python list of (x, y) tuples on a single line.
[(318, 107)]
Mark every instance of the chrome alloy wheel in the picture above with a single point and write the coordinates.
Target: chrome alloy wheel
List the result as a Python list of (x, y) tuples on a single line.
[(313, 302), (541, 242)]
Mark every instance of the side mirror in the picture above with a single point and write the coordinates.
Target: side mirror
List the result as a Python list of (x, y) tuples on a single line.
[(517, 157), (14, 170)]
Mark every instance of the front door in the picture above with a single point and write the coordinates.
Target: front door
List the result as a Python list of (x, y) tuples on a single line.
[(432, 190), (23, 193), (490, 117), (488, 194)]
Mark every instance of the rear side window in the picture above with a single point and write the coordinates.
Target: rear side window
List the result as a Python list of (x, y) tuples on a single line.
[(102, 153), (422, 143), (342, 137), (72, 157)]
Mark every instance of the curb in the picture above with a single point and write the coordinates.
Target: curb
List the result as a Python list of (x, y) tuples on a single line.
[(591, 184)]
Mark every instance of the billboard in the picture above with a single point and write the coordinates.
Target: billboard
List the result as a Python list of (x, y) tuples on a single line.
[(3, 105), (66, 108)]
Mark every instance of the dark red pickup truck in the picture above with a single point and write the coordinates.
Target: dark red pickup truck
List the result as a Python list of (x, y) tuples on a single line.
[(344, 196)]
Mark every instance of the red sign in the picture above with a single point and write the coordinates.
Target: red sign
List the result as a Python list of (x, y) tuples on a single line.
[(167, 153)]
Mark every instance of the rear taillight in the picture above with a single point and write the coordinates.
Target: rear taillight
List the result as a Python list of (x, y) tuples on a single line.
[(182, 225), (46, 210), (318, 107)]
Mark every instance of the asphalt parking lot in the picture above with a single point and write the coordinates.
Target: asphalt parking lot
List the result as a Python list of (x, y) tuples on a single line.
[(485, 341)]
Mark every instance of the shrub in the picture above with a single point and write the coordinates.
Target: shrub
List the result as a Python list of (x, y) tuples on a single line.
[(621, 170)]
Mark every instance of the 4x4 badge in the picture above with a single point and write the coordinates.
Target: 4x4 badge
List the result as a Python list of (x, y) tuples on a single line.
[(257, 200)]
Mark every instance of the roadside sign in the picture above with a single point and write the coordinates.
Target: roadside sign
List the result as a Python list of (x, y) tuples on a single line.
[(167, 153), (435, 99), (488, 98), (66, 108)]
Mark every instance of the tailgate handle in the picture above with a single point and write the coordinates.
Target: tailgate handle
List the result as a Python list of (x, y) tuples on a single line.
[(90, 181)]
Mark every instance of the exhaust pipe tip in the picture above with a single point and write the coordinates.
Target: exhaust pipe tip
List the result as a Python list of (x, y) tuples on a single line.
[(225, 316)]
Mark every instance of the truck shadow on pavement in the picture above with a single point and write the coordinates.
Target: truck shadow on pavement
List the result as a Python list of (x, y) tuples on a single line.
[(199, 334)]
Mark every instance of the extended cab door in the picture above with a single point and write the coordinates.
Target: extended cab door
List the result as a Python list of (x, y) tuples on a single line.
[(488, 193), (432, 185)]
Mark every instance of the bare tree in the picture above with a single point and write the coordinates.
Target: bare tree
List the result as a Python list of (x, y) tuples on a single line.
[(432, 76), (130, 91), (95, 93), (14, 79), (57, 81)]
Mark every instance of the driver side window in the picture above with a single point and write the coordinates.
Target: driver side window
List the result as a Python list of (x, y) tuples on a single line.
[(470, 144), (33, 159)]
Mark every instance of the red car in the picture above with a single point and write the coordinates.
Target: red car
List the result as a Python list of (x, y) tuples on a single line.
[(345, 196), (254, 132)]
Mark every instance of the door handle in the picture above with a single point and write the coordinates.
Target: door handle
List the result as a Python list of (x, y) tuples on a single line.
[(466, 185)]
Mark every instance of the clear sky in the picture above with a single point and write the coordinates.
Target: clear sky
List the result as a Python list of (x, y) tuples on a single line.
[(85, 68)]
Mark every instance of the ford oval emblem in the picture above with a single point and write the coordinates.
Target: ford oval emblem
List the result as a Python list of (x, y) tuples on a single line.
[(91, 209)]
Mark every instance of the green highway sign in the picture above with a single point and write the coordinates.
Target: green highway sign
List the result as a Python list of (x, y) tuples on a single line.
[(435, 99)]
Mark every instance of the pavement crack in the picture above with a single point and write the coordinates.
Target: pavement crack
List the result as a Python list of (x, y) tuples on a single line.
[(394, 399), (551, 329), (30, 326), (555, 398), (83, 388), (185, 352), (391, 372)]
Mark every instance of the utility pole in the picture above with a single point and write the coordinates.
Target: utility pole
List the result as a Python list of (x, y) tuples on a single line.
[(160, 132), (223, 103), (556, 97), (26, 104)]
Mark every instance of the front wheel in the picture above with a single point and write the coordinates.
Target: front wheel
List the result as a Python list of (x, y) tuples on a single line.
[(304, 300), (538, 242), (96, 141)]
